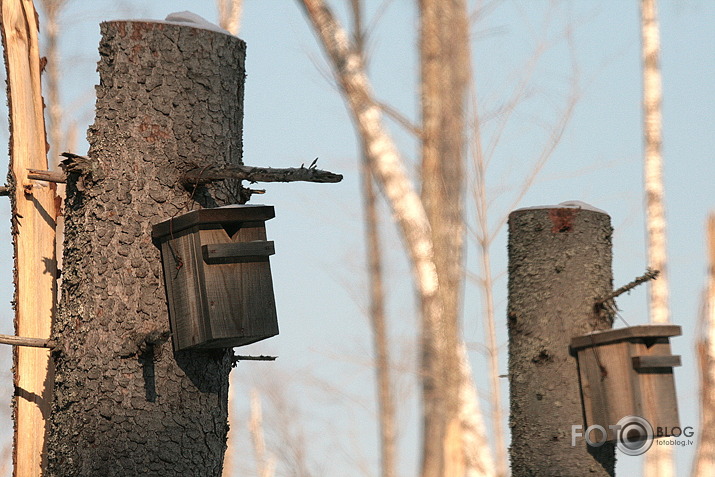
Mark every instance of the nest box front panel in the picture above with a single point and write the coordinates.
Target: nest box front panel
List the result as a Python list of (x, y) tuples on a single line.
[(238, 284), (653, 364)]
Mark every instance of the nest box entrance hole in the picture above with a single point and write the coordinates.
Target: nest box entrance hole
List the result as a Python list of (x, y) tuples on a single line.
[(231, 228)]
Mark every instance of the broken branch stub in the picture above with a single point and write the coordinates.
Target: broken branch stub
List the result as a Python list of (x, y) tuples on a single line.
[(259, 174)]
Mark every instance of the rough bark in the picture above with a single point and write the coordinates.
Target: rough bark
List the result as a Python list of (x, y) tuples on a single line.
[(705, 452), (125, 404), (559, 265)]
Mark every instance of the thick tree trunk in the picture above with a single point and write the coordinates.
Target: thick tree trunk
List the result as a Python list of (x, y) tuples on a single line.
[(443, 61), (705, 454), (170, 98), (559, 265)]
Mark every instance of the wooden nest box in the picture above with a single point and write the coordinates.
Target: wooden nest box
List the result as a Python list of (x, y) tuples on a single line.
[(628, 372), (218, 277)]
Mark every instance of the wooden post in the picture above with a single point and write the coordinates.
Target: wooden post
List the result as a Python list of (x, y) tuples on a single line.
[(34, 211), (559, 266)]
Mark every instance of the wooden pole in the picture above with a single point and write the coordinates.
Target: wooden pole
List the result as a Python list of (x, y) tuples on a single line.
[(34, 210), (559, 266)]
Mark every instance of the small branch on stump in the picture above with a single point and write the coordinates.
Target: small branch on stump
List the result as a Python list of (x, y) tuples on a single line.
[(32, 342), (648, 275), (607, 304), (5, 191), (49, 176), (237, 357), (260, 174), (206, 175)]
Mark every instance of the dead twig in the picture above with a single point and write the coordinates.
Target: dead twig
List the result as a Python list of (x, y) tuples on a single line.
[(237, 357), (49, 176), (260, 174), (31, 342), (647, 276)]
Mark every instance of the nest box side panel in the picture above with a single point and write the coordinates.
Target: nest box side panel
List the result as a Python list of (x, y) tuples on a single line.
[(184, 290), (657, 386), (239, 294), (607, 387)]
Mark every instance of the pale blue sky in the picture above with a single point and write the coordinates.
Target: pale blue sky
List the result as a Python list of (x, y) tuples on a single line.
[(293, 114)]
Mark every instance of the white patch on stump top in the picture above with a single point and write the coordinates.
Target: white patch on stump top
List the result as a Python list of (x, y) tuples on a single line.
[(569, 204), (191, 19)]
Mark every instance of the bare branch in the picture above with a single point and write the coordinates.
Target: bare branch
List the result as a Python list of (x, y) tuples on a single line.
[(648, 275), (31, 342), (212, 174), (399, 118), (237, 357), (49, 176), (260, 174)]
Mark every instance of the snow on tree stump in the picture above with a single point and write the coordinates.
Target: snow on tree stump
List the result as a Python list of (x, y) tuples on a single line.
[(218, 277)]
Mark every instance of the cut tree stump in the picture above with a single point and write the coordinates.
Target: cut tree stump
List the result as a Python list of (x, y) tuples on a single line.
[(169, 99)]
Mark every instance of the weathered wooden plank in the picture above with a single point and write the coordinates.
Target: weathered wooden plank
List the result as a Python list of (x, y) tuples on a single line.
[(657, 387), (644, 362), (607, 387), (183, 291), (34, 212), (235, 252), (637, 332), (227, 216), (240, 295)]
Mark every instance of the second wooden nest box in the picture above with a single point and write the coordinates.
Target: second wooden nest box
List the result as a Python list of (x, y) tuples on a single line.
[(628, 372), (218, 277)]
